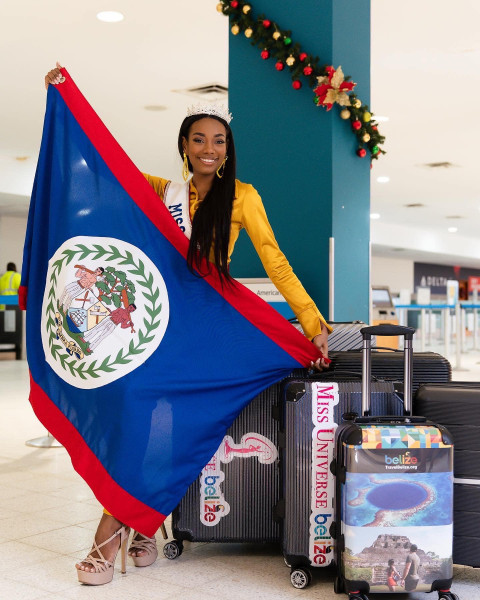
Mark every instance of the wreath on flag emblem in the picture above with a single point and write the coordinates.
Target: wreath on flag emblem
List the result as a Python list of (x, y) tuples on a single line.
[(72, 330)]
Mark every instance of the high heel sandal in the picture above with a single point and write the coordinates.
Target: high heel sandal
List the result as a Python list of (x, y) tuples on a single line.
[(145, 544), (104, 568)]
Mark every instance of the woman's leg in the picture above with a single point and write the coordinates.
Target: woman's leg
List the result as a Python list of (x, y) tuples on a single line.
[(107, 527)]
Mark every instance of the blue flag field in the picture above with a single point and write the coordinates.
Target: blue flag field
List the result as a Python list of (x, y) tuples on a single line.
[(137, 366)]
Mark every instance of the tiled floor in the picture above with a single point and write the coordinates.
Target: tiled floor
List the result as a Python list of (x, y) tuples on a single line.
[(48, 517)]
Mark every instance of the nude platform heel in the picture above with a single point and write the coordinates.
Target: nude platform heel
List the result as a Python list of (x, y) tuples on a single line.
[(104, 568)]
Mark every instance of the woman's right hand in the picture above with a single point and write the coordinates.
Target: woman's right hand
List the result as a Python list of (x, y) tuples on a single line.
[(54, 76)]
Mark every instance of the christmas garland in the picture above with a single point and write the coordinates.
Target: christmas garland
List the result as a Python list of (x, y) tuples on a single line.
[(329, 85)]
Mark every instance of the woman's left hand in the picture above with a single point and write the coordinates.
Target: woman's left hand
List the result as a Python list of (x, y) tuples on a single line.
[(321, 342)]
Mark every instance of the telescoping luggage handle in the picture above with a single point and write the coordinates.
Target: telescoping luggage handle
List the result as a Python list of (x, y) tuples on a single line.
[(387, 330)]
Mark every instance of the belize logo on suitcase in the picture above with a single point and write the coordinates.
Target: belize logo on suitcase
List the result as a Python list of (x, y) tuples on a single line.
[(397, 513)]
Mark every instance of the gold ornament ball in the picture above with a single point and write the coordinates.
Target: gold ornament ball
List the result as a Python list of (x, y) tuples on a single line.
[(235, 29), (248, 32), (290, 61), (246, 9), (357, 103), (345, 113), (366, 116), (366, 137), (220, 7), (276, 35)]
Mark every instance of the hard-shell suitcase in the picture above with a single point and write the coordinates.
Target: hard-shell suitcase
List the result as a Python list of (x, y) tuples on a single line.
[(346, 335), (312, 409), (234, 497), (394, 496), (457, 406), (466, 520), (427, 367)]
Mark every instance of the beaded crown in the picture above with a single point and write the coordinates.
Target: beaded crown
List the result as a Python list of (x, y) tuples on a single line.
[(218, 110)]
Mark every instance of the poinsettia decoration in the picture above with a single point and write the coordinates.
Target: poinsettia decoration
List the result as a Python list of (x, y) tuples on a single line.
[(330, 85), (333, 88)]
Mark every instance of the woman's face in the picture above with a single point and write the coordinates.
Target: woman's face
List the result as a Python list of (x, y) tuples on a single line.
[(206, 146)]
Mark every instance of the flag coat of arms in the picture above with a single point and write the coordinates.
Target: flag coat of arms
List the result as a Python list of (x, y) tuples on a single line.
[(137, 365)]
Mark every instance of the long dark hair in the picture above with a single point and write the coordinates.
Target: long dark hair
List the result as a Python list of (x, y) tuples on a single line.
[(212, 220)]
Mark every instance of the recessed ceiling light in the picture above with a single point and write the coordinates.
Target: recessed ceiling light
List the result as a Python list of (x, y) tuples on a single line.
[(380, 119), (21, 158), (155, 107), (452, 229), (374, 215), (383, 179), (110, 16)]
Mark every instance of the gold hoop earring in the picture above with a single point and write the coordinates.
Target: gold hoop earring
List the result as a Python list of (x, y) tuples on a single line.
[(185, 170), (222, 166)]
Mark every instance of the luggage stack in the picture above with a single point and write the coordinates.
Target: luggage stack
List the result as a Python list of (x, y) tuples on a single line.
[(457, 406)]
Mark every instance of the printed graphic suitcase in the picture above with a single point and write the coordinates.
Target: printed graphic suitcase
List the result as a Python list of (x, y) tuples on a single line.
[(312, 409), (394, 496), (428, 367), (234, 497)]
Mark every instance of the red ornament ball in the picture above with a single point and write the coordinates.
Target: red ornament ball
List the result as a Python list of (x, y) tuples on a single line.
[(303, 56), (279, 65), (267, 23), (234, 3), (361, 152), (307, 70), (356, 125), (297, 84), (265, 54), (375, 128)]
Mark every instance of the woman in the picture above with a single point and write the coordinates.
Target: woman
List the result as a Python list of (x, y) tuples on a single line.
[(211, 208), (392, 575)]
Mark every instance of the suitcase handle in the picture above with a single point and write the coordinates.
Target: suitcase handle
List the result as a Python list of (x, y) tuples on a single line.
[(407, 333), (387, 330)]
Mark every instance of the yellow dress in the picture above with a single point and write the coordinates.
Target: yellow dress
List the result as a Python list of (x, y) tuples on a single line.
[(249, 213)]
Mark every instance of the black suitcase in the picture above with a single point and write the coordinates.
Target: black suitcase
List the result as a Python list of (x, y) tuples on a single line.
[(234, 497), (394, 496), (457, 406), (313, 407), (428, 367), (466, 520)]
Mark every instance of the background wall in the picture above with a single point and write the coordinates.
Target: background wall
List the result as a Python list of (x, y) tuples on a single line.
[(12, 234), (397, 274)]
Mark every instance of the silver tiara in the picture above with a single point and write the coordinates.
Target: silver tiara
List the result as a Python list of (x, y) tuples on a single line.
[(218, 110)]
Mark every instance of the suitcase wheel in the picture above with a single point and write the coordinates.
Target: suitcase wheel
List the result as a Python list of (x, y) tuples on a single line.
[(338, 586), (173, 549), (447, 596), (300, 578)]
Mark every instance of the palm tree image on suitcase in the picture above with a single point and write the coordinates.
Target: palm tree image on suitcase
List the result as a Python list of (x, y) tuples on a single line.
[(398, 494)]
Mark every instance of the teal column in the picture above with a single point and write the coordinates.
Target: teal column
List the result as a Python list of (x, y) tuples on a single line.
[(302, 158)]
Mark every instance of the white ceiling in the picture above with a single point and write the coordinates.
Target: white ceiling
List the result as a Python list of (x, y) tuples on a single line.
[(425, 78)]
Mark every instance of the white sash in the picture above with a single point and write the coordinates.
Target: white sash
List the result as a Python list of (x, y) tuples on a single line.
[(177, 200)]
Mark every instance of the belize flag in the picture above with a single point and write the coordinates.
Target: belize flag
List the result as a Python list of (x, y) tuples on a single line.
[(137, 366)]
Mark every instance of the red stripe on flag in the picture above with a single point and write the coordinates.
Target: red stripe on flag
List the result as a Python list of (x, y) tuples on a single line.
[(257, 311), (116, 500), (22, 297)]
